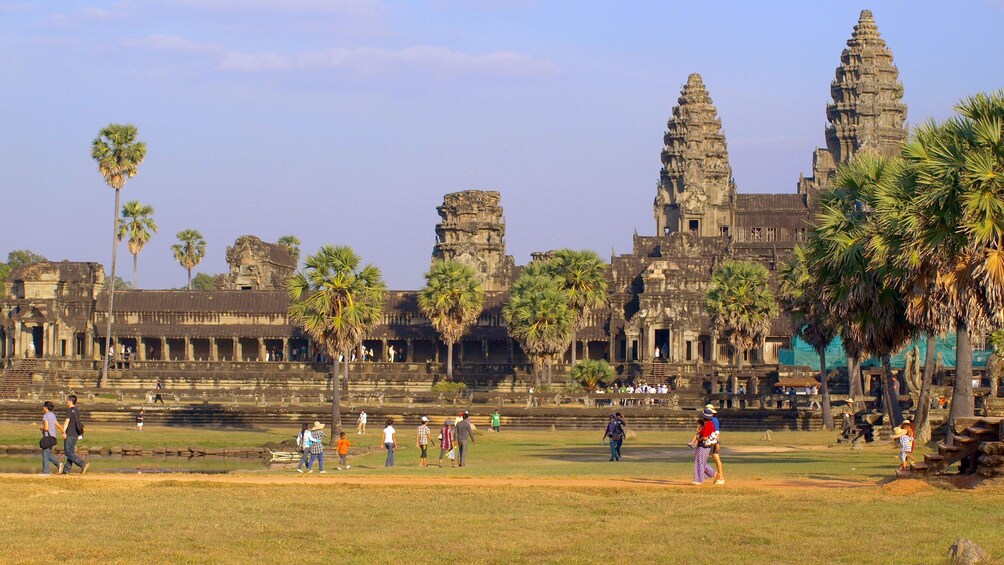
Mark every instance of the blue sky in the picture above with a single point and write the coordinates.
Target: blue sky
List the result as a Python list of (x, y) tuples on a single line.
[(346, 121)]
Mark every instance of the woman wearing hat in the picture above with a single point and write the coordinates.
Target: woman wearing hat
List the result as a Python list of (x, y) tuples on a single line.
[(316, 447), (704, 441), (716, 450)]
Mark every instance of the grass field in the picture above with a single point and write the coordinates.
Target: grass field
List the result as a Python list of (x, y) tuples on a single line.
[(526, 497)]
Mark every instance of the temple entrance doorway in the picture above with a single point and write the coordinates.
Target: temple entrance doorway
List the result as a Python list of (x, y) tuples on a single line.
[(662, 345), (37, 342)]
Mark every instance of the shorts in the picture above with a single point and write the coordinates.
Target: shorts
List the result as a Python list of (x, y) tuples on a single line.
[(139, 424), (902, 456), (425, 451), (716, 449)]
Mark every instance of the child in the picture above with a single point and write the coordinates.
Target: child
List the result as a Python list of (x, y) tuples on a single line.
[(343, 451), (905, 447), (139, 421)]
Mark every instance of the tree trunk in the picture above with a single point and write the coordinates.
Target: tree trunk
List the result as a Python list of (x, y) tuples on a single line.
[(535, 365), (135, 268), (336, 401), (890, 393), (923, 412), (573, 350), (824, 381), (449, 360), (962, 391), (189, 279), (345, 381), (111, 293), (739, 359)]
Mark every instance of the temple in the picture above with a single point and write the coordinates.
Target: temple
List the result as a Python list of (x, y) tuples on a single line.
[(656, 310)]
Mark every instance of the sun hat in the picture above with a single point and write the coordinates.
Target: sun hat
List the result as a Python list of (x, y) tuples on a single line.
[(317, 426), (425, 419), (710, 408), (707, 415), (898, 432)]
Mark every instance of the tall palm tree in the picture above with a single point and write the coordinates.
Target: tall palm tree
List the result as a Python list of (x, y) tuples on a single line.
[(582, 275), (336, 302), (138, 227), (958, 219), (800, 296), (292, 243), (538, 318), (118, 154), (862, 291), (189, 251), (741, 304), (452, 299)]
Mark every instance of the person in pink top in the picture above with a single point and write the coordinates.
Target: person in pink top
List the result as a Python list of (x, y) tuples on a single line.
[(447, 441), (703, 443)]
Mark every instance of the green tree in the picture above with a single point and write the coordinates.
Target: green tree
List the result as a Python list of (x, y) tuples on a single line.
[(800, 297), (189, 251), (741, 304), (538, 318), (118, 154), (452, 299), (591, 374), (17, 258), (582, 275), (292, 243), (336, 302), (202, 281), (120, 284), (137, 226), (957, 214)]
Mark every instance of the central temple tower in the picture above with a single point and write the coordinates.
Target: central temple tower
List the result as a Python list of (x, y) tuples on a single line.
[(696, 190)]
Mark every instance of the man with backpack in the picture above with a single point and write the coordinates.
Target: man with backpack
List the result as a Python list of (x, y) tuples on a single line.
[(614, 431), (73, 430)]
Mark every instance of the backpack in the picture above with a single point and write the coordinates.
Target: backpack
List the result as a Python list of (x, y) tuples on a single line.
[(617, 434)]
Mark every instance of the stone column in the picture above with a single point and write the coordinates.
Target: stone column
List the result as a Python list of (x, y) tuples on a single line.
[(714, 347), (649, 349), (510, 350), (214, 350), (238, 350), (165, 350), (140, 349), (261, 349), (285, 349), (408, 344), (435, 345), (484, 349), (612, 348), (189, 350), (383, 349), (585, 349)]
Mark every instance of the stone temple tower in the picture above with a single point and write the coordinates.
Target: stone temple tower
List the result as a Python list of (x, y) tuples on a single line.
[(696, 190), (867, 111), (472, 230)]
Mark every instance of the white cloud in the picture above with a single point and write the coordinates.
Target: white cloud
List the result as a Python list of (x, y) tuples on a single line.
[(374, 59), (344, 7), (157, 42)]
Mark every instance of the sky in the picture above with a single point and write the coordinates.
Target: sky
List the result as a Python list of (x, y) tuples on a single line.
[(346, 121)]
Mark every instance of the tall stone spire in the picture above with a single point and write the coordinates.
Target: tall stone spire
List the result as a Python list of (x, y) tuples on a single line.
[(867, 108), (696, 189)]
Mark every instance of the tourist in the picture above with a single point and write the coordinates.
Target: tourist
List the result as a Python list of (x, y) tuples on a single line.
[(703, 444), (912, 434), (73, 430), (614, 431), (157, 398), (716, 450), (496, 422), (390, 354), (422, 442), (905, 443), (343, 451), (390, 442), (303, 446), (623, 428), (49, 428), (465, 432), (361, 423), (316, 447), (447, 441), (139, 421)]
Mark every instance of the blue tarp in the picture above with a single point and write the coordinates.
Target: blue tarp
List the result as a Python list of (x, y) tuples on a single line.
[(803, 354)]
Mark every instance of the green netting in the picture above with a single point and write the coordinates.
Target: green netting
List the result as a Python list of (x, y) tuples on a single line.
[(803, 354)]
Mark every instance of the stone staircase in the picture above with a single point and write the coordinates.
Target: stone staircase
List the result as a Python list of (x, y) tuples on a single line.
[(15, 376), (964, 447)]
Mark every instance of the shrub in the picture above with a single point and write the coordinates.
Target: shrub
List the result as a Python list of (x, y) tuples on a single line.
[(447, 386), (592, 374)]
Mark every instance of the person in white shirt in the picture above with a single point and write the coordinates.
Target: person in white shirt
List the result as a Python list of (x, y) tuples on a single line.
[(361, 423), (390, 442)]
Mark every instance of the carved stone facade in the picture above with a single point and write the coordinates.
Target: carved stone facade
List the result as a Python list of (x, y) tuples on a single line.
[(472, 230), (256, 265), (867, 109)]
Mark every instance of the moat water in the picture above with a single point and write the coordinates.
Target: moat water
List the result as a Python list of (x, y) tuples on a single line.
[(27, 464)]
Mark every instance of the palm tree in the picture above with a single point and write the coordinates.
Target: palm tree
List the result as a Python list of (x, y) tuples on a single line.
[(336, 302), (592, 374), (810, 315), (957, 216), (538, 318), (862, 291), (452, 299), (741, 304), (138, 227), (189, 251), (292, 243), (582, 275), (118, 154)]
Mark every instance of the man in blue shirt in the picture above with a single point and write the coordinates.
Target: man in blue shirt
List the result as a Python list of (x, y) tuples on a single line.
[(720, 477)]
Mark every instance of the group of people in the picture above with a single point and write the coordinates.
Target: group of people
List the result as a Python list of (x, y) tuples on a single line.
[(310, 442), (904, 435), (706, 444), (70, 430), (621, 388), (454, 440)]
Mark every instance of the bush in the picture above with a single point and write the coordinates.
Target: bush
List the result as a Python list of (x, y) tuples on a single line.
[(592, 374), (447, 386)]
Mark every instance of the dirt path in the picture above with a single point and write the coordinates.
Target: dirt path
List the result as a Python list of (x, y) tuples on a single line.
[(345, 479)]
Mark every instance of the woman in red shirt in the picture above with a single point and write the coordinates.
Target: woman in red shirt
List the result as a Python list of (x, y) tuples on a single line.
[(704, 441)]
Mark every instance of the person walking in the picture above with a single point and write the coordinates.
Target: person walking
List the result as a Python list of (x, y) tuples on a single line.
[(390, 442), (139, 421), (716, 450), (303, 446), (157, 398), (496, 422), (447, 442), (623, 429), (73, 431), (316, 448), (702, 444), (361, 423), (50, 426), (422, 442), (615, 432), (343, 451), (465, 432)]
